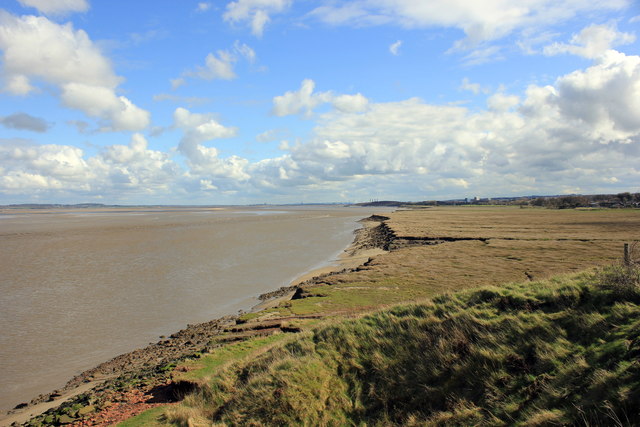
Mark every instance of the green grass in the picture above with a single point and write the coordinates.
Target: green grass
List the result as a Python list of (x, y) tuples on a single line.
[(560, 351), (151, 418), (208, 364)]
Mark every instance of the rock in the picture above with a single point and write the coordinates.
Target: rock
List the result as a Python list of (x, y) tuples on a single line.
[(65, 419), (86, 410)]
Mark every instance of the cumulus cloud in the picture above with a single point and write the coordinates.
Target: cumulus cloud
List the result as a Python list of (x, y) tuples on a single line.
[(256, 12), (301, 101), (395, 48), (41, 167), (38, 50), (501, 102), (24, 121), (350, 103), (219, 65), (205, 162), (582, 130), (592, 42), (135, 166), (60, 168), (56, 7), (118, 113), (604, 98), (304, 101)]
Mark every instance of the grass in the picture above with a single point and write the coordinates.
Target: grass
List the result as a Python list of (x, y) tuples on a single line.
[(530, 355), (548, 352), (208, 364), (150, 418)]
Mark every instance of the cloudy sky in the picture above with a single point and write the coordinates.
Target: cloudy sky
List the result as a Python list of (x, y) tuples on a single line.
[(279, 101)]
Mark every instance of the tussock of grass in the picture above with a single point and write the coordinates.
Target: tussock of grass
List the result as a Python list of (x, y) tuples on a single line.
[(541, 353)]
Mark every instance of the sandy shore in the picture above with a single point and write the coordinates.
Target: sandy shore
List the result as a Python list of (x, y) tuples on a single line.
[(190, 340)]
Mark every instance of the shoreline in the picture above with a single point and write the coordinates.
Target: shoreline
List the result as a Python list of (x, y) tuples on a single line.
[(194, 337)]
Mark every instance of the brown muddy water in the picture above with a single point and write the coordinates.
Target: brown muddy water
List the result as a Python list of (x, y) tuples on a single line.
[(79, 287)]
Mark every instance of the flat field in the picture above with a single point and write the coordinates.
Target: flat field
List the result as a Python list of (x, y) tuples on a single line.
[(438, 250)]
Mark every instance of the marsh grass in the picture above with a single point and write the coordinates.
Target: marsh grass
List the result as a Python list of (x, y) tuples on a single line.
[(552, 352)]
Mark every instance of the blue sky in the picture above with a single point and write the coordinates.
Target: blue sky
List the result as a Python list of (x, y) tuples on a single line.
[(280, 101)]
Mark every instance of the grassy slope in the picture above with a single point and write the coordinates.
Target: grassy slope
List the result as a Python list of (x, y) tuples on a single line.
[(558, 351)]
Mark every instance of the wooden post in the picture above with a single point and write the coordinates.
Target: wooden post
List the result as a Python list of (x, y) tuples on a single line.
[(627, 256)]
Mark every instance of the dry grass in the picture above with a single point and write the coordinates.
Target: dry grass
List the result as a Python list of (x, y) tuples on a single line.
[(517, 245), (514, 223)]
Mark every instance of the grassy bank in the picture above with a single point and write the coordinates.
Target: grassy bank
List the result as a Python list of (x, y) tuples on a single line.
[(550, 352)]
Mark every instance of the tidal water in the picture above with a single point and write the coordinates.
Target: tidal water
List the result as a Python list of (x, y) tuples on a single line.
[(80, 287)]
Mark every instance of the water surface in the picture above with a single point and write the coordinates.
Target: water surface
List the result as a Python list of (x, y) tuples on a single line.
[(80, 287)]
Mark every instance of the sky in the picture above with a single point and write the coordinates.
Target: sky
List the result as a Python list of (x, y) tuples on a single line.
[(289, 101)]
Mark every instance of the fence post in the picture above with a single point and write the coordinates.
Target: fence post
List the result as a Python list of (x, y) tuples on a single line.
[(627, 256)]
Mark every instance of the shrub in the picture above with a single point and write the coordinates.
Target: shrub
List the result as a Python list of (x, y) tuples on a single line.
[(623, 279)]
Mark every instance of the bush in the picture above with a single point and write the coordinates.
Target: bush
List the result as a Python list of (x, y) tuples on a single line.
[(623, 280)]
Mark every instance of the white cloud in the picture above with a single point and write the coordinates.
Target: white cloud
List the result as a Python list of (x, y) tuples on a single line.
[(38, 50), (553, 139), (97, 101), (256, 12), (592, 42), (304, 101), (269, 135), (582, 131), (135, 166), (36, 47), (205, 162), (301, 101), (395, 47), (56, 7), (453, 182), (482, 55), (350, 103), (501, 102), (18, 85), (604, 98), (219, 65), (245, 51), (31, 167), (199, 128), (62, 169), (481, 21)]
